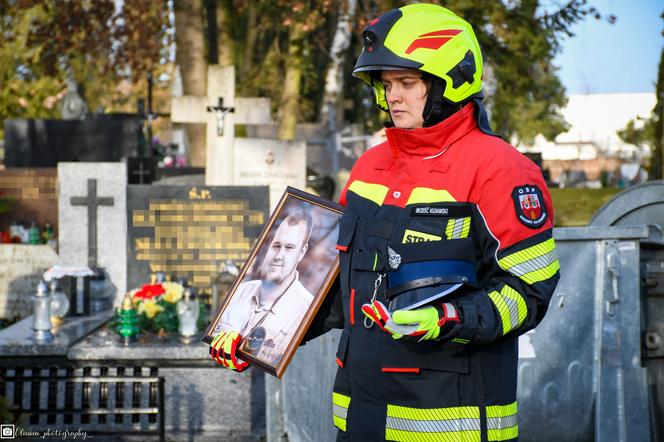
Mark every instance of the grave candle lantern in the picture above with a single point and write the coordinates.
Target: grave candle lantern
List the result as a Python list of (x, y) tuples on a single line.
[(59, 304), (41, 320), (127, 326), (188, 311)]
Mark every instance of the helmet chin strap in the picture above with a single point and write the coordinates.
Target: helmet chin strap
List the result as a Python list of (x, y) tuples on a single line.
[(436, 108)]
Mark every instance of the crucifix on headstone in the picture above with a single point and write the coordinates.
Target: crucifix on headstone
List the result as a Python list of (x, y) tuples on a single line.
[(220, 111), (92, 201), (214, 110)]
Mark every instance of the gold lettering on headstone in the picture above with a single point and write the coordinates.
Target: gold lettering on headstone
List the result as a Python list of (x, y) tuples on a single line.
[(192, 239), (204, 194)]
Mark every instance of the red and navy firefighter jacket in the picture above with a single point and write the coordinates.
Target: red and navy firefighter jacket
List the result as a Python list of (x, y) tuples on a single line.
[(464, 389)]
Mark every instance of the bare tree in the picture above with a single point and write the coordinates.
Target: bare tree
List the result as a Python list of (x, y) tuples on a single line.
[(190, 56), (334, 80)]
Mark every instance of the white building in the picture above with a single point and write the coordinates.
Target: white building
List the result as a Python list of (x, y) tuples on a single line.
[(594, 120), (591, 152)]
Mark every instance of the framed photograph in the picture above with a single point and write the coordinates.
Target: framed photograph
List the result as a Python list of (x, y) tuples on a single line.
[(283, 282)]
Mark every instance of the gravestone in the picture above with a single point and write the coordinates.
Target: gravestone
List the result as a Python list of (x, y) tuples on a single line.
[(33, 196), (320, 156), (22, 268), (241, 161), (272, 162), (220, 110), (45, 143), (93, 218), (190, 232), (141, 170)]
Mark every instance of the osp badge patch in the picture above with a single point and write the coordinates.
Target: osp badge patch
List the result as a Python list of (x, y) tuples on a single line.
[(529, 206)]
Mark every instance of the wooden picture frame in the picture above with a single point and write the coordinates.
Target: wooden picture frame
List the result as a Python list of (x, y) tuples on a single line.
[(293, 265)]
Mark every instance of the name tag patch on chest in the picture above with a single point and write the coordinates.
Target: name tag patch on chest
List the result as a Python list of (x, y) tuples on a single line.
[(413, 236), (442, 211), (430, 211)]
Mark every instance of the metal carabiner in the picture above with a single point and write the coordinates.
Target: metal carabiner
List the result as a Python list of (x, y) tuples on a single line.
[(377, 283)]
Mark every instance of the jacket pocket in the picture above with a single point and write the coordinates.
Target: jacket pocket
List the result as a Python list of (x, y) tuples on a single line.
[(342, 350), (416, 374), (346, 231), (347, 227), (425, 355), (369, 261)]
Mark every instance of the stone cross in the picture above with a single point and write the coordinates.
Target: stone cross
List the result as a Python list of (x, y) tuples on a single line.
[(92, 201), (214, 111)]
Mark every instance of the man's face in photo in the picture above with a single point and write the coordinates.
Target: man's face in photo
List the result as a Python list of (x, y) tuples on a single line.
[(285, 252)]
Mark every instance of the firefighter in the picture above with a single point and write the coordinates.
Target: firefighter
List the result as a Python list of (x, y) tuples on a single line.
[(445, 247)]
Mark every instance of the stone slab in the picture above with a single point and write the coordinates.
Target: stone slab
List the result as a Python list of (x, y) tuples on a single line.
[(45, 143), (22, 267), (16, 340), (105, 345), (203, 401), (274, 163), (322, 157), (111, 220), (191, 231)]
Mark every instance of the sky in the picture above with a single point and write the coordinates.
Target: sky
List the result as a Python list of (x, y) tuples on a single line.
[(619, 58)]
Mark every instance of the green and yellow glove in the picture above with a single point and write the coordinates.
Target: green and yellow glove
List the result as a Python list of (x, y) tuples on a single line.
[(426, 323), (223, 348)]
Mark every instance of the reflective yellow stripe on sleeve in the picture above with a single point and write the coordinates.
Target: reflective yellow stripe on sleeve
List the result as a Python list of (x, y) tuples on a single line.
[(433, 424), (534, 264), (511, 307), (502, 422), (340, 405)]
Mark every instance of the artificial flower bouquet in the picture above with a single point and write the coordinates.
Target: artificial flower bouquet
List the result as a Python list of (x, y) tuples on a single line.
[(156, 306)]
